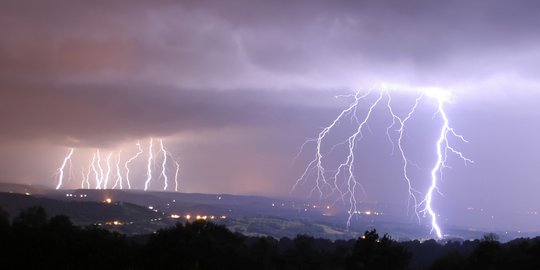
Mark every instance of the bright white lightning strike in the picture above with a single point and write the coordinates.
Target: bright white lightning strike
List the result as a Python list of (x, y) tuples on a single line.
[(349, 163), (442, 147), (101, 175), (347, 188), (110, 173), (61, 169), (126, 165), (83, 175), (118, 180), (149, 166), (86, 179), (164, 162), (176, 175), (96, 174), (402, 123)]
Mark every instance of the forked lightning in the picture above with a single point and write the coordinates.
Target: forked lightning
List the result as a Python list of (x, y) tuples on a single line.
[(343, 179), (102, 171)]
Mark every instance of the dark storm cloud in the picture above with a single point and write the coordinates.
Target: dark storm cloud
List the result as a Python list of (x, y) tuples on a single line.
[(278, 44), (127, 64), (94, 115)]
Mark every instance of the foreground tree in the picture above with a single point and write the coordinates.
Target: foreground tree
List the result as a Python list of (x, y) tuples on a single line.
[(372, 252), (197, 245)]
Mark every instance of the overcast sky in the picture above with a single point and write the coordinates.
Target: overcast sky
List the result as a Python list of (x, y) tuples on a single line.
[(235, 87)]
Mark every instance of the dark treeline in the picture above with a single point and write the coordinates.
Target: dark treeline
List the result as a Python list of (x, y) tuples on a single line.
[(33, 241)]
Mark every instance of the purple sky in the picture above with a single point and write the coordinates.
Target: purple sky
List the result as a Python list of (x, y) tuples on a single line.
[(235, 87)]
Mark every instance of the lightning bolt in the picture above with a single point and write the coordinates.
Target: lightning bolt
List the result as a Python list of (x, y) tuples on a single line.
[(108, 170), (149, 166), (402, 123), (108, 173), (348, 187), (83, 175), (442, 148), (352, 183), (316, 163), (163, 173), (126, 165), (101, 175), (86, 180), (118, 180), (176, 175), (61, 169), (96, 173)]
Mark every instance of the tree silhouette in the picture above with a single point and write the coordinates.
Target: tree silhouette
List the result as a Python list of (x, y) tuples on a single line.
[(196, 245), (32, 241), (372, 252), (4, 221), (33, 217)]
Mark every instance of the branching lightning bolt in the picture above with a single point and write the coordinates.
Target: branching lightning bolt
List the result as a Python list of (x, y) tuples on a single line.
[(101, 175), (149, 166), (118, 180), (126, 165), (163, 164), (86, 179), (349, 162), (108, 173), (83, 175), (96, 173), (176, 175), (112, 170), (442, 148), (62, 167), (402, 123), (345, 170), (316, 163)]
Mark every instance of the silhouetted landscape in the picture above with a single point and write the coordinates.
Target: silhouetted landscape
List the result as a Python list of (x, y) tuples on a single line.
[(55, 243), (86, 229)]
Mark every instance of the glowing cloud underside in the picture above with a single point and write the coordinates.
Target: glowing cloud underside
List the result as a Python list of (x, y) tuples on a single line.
[(95, 172), (342, 180)]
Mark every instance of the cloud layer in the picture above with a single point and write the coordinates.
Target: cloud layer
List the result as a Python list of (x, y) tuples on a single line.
[(278, 44)]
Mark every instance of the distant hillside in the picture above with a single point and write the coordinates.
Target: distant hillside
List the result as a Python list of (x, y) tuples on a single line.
[(139, 212), (22, 188), (135, 218)]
